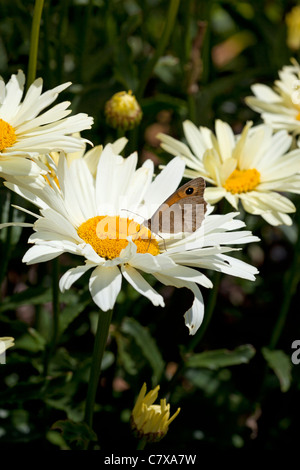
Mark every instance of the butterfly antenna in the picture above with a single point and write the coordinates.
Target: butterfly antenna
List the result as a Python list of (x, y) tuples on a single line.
[(127, 210)]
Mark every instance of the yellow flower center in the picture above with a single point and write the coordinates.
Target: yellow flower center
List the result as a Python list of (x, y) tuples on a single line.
[(242, 181), (108, 236), (7, 135), (298, 117)]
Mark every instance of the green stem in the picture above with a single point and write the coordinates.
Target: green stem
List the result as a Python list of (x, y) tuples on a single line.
[(34, 41), (83, 38), (48, 74), (50, 350), (104, 321), (55, 302), (120, 133), (7, 243), (163, 42), (290, 285), (141, 444), (61, 31), (187, 60)]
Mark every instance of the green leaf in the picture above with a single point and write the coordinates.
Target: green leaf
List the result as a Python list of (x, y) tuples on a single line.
[(281, 365), (124, 356), (144, 340), (75, 432), (221, 357), (107, 360), (56, 439), (9, 214), (32, 341), (70, 312), (30, 296)]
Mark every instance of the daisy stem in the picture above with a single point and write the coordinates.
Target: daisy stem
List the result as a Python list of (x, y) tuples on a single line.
[(55, 315), (7, 243), (141, 444), (290, 286), (55, 301), (34, 41), (104, 321), (163, 42)]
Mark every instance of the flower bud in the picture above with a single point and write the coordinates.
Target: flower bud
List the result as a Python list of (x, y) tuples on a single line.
[(148, 421), (292, 20), (123, 111)]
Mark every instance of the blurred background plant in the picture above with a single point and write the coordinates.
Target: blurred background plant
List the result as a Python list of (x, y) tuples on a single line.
[(193, 59)]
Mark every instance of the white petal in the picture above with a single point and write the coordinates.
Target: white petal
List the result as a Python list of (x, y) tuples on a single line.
[(72, 275), (165, 184), (233, 199), (139, 184), (105, 285), (15, 224), (265, 93), (40, 254), (149, 263), (19, 167), (225, 138), (188, 274), (195, 139), (110, 190), (277, 218), (119, 145), (214, 194), (193, 316), (175, 147), (14, 92), (229, 265), (141, 285)]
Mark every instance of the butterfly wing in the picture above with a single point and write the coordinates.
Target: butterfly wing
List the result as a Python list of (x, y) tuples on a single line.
[(183, 211)]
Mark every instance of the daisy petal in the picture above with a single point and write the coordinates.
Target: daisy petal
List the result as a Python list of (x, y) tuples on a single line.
[(105, 285), (193, 316), (141, 285), (72, 275)]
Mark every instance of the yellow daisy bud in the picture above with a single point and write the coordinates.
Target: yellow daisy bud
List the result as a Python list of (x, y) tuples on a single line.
[(148, 421), (123, 111), (293, 28)]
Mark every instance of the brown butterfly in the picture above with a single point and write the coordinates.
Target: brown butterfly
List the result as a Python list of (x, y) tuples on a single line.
[(183, 211)]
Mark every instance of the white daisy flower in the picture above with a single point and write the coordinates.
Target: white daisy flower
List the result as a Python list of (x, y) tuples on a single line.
[(279, 106), (92, 217), (26, 130), (252, 167)]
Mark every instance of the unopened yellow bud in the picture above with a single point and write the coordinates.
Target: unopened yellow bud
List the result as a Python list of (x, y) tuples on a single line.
[(293, 28), (123, 111), (151, 422)]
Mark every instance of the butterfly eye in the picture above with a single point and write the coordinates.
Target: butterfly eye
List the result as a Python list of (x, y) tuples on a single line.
[(189, 191)]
